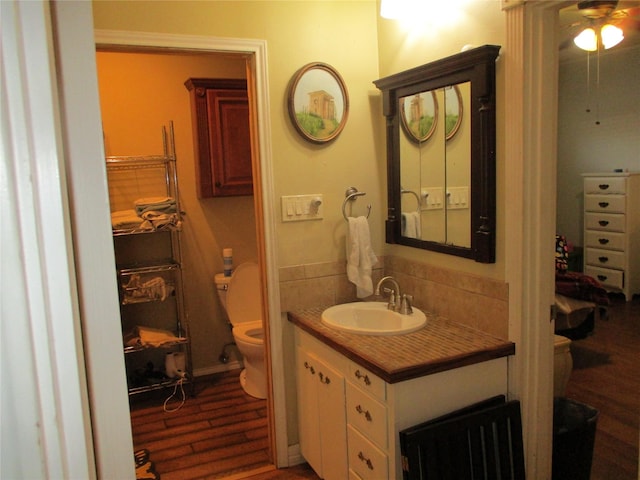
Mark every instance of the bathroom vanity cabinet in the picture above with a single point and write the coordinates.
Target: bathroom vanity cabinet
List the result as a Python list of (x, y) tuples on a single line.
[(350, 417), (612, 230), (149, 266)]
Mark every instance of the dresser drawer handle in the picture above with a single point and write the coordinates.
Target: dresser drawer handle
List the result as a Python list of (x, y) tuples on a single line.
[(603, 186), (310, 368), (603, 241), (362, 376), (324, 379), (364, 412), (365, 460), (602, 278), (603, 259), (603, 204), (603, 223)]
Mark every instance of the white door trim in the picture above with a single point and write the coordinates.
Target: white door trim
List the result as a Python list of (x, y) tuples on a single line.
[(258, 50), (531, 86)]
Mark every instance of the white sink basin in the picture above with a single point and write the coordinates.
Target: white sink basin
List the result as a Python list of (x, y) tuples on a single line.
[(372, 318)]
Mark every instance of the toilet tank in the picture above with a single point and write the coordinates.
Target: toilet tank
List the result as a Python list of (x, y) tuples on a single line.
[(222, 285)]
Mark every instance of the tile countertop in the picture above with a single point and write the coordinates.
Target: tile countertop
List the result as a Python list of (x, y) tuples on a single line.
[(440, 345)]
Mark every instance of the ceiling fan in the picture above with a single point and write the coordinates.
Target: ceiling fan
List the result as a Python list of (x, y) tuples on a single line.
[(600, 23)]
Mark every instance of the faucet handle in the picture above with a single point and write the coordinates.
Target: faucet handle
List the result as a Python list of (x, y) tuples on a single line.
[(405, 306), (392, 299)]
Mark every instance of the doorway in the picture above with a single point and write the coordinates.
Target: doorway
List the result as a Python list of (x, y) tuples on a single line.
[(252, 56)]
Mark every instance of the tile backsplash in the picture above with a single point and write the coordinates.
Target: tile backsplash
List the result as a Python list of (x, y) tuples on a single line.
[(472, 300)]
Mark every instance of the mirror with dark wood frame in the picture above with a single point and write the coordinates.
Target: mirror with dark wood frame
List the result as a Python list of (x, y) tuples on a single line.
[(441, 128)]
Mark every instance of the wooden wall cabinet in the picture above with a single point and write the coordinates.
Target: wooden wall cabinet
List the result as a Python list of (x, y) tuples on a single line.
[(222, 143)]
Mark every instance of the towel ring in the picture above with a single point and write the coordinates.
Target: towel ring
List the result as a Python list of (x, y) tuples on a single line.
[(350, 196)]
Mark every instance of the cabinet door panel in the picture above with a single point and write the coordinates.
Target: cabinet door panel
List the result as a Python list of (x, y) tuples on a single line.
[(308, 418)]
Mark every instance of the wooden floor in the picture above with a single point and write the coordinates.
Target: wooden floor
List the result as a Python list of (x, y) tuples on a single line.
[(606, 376), (219, 433), (222, 432)]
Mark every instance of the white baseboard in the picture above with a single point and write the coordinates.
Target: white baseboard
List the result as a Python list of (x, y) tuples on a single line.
[(223, 367), (294, 455)]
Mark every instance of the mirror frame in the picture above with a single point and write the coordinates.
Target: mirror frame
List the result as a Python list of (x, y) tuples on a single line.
[(478, 67)]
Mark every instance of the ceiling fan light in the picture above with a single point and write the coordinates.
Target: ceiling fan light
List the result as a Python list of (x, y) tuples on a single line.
[(611, 35), (587, 40)]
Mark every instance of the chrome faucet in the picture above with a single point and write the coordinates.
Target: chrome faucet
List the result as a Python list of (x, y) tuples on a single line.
[(397, 301)]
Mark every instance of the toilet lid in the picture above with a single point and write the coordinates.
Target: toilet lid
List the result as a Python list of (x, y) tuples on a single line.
[(244, 301)]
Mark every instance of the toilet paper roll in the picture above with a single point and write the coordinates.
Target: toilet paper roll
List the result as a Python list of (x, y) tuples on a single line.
[(170, 366)]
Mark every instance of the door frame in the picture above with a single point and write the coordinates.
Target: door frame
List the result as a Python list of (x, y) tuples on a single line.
[(257, 83)]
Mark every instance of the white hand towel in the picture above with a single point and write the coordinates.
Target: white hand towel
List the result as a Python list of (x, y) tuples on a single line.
[(360, 256), (411, 225)]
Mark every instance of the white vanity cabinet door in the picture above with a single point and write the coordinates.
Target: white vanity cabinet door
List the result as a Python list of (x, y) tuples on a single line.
[(321, 416), (612, 230)]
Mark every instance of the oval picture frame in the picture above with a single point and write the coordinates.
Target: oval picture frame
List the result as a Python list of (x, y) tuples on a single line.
[(419, 115), (453, 110), (318, 102)]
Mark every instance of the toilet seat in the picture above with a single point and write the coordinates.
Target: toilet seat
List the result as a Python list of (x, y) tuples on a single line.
[(250, 332), (244, 300)]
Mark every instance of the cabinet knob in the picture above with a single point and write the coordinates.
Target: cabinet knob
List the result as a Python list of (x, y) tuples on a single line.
[(603, 186), (603, 241), (324, 379), (363, 377), (364, 412), (365, 460), (603, 223), (310, 368), (603, 259), (603, 204), (602, 278)]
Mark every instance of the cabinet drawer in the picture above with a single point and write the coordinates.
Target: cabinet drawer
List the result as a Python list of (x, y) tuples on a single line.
[(610, 222), (606, 258), (607, 277), (369, 382), (369, 416), (365, 459), (607, 240), (606, 185), (605, 203)]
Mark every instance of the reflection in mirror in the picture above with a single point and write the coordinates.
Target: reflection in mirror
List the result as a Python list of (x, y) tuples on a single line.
[(441, 154), (436, 174)]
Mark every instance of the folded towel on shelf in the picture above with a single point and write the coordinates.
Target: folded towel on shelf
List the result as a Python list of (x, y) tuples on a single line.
[(157, 220), (155, 204), (411, 224), (360, 256), (125, 219), (146, 336)]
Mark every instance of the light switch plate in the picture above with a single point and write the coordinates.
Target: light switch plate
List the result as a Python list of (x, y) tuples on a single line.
[(297, 208)]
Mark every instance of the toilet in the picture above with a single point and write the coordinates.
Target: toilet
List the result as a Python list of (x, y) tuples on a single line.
[(240, 297), (562, 364)]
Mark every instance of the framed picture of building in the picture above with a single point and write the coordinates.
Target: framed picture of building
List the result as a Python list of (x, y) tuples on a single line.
[(318, 102)]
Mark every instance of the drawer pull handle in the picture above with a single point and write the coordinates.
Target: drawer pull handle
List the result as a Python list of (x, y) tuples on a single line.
[(310, 368), (324, 379), (603, 241), (603, 186), (603, 204), (362, 376), (603, 259), (364, 412), (602, 278), (603, 223), (365, 460)]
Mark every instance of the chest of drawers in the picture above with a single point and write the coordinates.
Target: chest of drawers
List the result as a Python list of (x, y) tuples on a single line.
[(612, 230)]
